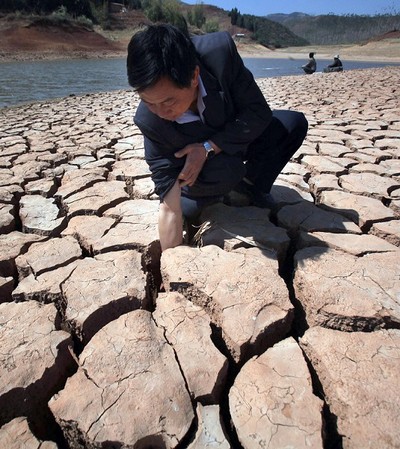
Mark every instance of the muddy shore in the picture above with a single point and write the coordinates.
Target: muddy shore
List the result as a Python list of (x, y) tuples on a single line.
[(26, 46), (388, 52)]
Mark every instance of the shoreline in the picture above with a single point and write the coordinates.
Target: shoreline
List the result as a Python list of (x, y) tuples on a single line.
[(388, 51), (304, 57), (55, 100), (301, 56), (381, 51)]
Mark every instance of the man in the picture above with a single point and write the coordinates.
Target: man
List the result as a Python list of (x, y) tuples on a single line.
[(311, 65), (336, 65), (202, 115)]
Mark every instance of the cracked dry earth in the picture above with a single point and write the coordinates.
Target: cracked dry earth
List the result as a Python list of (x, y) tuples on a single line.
[(278, 329)]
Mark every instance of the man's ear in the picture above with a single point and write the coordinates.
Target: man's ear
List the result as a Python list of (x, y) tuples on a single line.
[(195, 77)]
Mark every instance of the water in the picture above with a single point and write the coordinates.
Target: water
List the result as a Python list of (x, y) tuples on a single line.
[(265, 68), (24, 82)]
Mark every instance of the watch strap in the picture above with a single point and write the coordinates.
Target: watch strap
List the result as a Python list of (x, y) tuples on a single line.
[(210, 152)]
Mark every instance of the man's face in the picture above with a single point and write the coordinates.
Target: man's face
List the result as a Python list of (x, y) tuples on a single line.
[(167, 100)]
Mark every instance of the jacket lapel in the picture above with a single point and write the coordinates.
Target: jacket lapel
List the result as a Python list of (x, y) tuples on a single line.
[(214, 101)]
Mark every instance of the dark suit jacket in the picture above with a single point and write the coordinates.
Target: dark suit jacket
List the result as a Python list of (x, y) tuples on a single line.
[(236, 112)]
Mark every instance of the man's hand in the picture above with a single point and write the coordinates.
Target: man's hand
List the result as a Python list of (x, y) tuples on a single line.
[(195, 158)]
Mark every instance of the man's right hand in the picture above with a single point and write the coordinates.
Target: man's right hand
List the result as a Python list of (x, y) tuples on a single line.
[(195, 159)]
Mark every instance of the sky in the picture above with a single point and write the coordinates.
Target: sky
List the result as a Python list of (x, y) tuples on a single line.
[(313, 7)]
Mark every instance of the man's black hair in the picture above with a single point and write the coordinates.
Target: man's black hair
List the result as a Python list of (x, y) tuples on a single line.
[(160, 51)]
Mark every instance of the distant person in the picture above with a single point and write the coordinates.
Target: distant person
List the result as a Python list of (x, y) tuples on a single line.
[(336, 65), (311, 65), (202, 116)]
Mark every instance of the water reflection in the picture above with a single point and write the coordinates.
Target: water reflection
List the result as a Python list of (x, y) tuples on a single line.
[(23, 82)]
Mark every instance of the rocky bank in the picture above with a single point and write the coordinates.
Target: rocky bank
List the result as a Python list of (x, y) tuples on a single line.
[(274, 328)]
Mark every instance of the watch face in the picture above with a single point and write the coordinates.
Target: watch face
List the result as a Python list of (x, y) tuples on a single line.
[(210, 154), (209, 150)]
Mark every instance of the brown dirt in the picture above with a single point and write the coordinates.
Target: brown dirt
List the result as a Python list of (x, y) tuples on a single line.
[(394, 34), (28, 41)]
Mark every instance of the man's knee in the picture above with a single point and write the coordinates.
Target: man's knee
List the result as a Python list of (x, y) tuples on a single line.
[(302, 125), (219, 176), (293, 121)]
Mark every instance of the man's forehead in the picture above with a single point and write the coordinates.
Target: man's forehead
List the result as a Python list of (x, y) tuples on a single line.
[(153, 99), (160, 92)]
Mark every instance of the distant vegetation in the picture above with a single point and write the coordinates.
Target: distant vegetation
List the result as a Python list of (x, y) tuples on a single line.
[(273, 31), (59, 17), (74, 7), (265, 31), (331, 29), (87, 12)]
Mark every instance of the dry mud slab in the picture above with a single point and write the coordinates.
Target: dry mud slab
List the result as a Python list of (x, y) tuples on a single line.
[(274, 328)]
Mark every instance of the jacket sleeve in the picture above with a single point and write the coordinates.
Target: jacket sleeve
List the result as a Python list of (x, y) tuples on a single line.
[(250, 113), (159, 153), (164, 169)]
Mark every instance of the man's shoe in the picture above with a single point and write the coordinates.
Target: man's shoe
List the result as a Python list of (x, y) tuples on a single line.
[(257, 198)]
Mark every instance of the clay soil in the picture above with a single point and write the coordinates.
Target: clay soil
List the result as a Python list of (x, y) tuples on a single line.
[(26, 41)]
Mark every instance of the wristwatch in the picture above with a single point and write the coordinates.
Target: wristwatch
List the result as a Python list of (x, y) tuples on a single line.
[(210, 152)]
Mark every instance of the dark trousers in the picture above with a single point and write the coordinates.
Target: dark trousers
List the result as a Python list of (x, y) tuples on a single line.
[(264, 160), (269, 153)]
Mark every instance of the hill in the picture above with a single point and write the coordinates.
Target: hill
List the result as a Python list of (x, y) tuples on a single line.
[(35, 37), (33, 34), (331, 29), (212, 18)]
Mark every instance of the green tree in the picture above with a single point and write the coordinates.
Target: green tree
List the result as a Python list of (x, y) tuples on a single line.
[(78, 7), (198, 16), (211, 26), (154, 11), (172, 14), (165, 11), (100, 10), (74, 7), (234, 15), (135, 4), (13, 5)]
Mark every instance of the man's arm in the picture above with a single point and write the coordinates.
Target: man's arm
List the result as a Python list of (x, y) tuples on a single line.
[(170, 222)]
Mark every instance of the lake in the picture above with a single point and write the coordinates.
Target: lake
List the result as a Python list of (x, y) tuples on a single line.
[(24, 82)]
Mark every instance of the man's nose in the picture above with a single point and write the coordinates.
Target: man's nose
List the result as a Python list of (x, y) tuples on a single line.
[(163, 111)]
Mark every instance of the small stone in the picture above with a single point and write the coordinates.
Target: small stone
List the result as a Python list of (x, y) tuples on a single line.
[(210, 431), (16, 435), (40, 215)]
